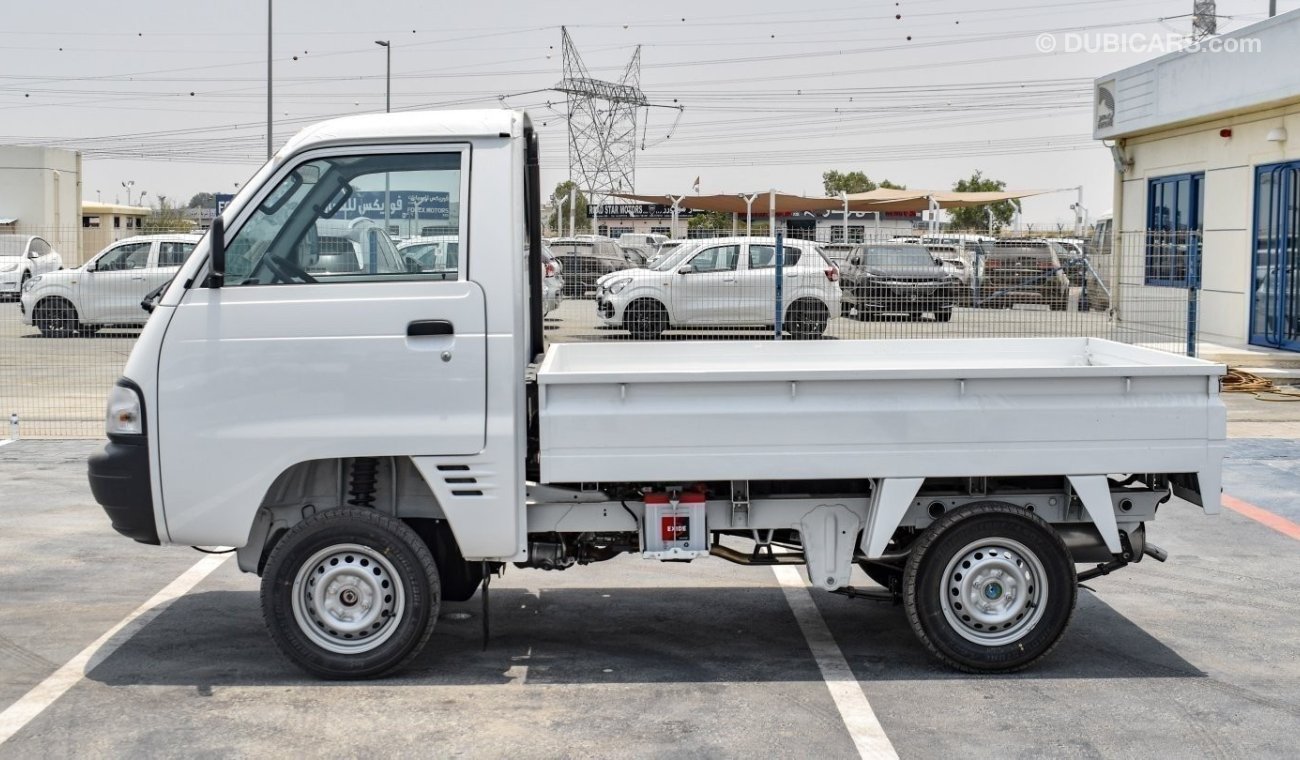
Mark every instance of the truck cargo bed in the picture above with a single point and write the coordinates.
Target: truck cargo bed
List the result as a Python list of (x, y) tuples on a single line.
[(705, 410)]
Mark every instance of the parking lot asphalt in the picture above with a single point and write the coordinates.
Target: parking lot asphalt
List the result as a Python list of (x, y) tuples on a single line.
[(1197, 657)]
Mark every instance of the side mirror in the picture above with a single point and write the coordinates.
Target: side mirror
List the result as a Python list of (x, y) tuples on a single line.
[(688, 269), (217, 253)]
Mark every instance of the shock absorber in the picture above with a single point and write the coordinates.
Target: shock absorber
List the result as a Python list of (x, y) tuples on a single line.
[(361, 487)]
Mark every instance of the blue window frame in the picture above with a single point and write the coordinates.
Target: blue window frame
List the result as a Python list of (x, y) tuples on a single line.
[(1174, 206)]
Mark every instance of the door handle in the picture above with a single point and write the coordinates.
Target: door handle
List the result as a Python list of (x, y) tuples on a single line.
[(424, 327), (141, 277)]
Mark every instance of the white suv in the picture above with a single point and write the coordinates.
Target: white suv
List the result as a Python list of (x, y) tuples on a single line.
[(107, 289), (723, 282)]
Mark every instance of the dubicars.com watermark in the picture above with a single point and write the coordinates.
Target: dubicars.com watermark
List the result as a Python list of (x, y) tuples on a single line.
[(1140, 42)]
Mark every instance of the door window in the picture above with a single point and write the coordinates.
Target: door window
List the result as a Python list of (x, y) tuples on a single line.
[(326, 221), (173, 254), (764, 256), (124, 257), (720, 259), (40, 247)]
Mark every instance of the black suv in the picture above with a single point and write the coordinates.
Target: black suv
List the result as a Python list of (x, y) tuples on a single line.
[(1022, 271), (585, 260), (896, 278)]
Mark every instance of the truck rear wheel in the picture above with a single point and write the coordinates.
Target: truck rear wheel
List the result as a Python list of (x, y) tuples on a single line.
[(989, 588), (350, 593)]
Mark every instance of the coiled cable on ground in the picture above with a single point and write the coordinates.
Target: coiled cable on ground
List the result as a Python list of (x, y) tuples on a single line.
[(1241, 381)]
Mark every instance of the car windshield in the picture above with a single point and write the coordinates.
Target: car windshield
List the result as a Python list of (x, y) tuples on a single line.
[(670, 259), (899, 256)]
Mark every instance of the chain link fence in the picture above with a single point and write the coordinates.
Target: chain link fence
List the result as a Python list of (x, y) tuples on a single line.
[(66, 333)]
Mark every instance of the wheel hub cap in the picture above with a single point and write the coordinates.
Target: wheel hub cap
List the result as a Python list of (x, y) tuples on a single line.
[(993, 591), (348, 598)]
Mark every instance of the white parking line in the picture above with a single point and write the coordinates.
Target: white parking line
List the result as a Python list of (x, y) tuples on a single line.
[(845, 690), (44, 694)]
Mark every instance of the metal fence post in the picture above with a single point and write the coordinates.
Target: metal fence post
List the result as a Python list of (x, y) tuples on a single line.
[(780, 282), (1193, 294)]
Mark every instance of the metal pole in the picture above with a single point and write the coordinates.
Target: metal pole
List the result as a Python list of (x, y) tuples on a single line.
[(270, 150), (1272, 8), (734, 217), (595, 215), (388, 95), (988, 211), (573, 203), (780, 282), (844, 196), (878, 226), (749, 212), (1078, 212), (934, 216), (771, 212)]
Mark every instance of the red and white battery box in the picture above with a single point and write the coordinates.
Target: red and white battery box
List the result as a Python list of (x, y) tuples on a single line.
[(674, 526)]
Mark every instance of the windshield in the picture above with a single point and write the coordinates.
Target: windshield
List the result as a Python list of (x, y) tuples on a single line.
[(670, 259), (898, 256)]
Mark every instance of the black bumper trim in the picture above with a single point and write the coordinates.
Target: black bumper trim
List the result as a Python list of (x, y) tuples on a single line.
[(119, 480)]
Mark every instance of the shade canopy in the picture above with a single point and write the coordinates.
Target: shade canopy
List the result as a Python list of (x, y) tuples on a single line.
[(880, 199), (785, 203)]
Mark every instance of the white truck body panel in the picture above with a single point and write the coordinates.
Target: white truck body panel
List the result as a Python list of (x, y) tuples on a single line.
[(684, 411)]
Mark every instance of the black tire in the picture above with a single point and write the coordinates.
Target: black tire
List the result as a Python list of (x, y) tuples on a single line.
[(955, 561), (943, 315), (365, 552), (645, 319), (806, 319), (55, 318)]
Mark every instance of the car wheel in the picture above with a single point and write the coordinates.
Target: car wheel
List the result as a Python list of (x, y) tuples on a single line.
[(806, 319), (645, 319), (350, 593), (943, 315), (989, 588), (55, 318)]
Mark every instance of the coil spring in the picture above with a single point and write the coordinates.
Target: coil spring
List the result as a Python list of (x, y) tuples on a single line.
[(365, 472)]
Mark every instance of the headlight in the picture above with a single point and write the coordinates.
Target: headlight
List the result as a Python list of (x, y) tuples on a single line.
[(8, 267), (124, 415), (617, 286), (31, 283)]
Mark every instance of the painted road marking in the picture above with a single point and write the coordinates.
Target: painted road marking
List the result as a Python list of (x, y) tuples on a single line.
[(8, 441), (44, 694), (852, 703), (1263, 516)]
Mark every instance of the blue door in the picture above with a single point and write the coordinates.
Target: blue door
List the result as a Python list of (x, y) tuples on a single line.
[(1275, 267)]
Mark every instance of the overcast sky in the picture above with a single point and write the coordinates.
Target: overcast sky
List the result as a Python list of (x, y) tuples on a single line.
[(172, 95)]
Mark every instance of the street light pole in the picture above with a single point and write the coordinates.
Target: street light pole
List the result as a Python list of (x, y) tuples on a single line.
[(388, 74), (388, 108), (128, 185)]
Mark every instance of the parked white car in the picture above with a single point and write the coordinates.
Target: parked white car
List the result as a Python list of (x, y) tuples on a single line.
[(23, 257), (435, 253), (106, 290), (726, 282)]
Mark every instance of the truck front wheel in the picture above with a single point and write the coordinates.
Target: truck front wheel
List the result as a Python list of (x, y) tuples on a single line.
[(350, 593), (989, 588)]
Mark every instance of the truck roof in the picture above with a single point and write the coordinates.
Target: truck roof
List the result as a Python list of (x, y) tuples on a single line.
[(408, 125)]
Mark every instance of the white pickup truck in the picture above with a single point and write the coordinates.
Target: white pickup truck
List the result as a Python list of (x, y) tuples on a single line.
[(374, 441)]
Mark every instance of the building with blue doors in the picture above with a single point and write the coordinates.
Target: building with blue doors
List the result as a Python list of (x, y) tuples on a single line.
[(1206, 144)]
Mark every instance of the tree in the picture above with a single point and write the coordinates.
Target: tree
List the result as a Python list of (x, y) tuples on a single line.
[(166, 217), (711, 220), (580, 219), (202, 200), (833, 182), (976, 217)]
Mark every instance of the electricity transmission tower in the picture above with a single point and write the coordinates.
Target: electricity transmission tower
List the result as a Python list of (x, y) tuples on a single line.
[(602, 123), (1204, 19)]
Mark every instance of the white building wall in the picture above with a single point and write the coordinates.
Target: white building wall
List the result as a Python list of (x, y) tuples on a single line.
[(42, 188)]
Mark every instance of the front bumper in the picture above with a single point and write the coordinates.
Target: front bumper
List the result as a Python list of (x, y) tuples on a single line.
[(119, 480), (902, 299)]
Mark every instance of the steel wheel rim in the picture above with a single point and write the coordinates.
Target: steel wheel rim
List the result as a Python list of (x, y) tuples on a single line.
[(994, 591), (348, 598)]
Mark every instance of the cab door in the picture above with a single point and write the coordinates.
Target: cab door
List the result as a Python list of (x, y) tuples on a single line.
[(288, 363)]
